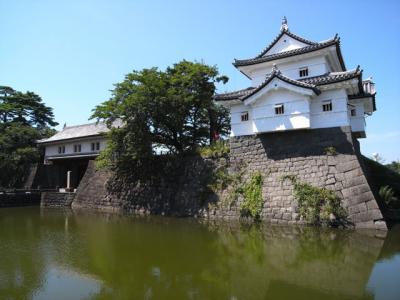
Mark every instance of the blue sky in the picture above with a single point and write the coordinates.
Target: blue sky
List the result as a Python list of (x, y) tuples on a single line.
[(72, 52)]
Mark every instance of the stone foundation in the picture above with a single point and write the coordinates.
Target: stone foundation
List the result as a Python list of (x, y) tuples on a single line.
[(304, 154), (56, 199), (181, 189)]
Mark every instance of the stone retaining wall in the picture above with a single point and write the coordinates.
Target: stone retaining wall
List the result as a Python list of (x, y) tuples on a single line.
[(56, 199), (182, 189), (304, 154), (19, 199), (179, 189)]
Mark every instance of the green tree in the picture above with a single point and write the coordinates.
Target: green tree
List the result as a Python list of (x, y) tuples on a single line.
[(162, 110), (24, 118), (395, 166)]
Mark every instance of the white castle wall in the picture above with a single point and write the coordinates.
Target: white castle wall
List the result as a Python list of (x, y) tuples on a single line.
[(300, 112), (86, 147)]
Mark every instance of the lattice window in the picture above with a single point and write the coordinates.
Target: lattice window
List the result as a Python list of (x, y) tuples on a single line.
[(327, 106), (279, 109), (244, 116), (303, 72)]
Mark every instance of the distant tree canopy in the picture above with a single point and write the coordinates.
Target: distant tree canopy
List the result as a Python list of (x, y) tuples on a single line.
[(395, 166), (166, 110), (24, 118)]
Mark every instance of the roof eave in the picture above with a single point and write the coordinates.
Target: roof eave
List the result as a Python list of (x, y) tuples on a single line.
[(255, 61), (46, 142), (339, 54)]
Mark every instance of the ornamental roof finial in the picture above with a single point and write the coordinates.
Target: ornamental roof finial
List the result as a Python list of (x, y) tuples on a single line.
[(274, 68), (284, 25)]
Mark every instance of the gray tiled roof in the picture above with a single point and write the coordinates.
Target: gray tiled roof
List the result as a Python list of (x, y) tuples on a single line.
[(80, 131), (333, 77), (233, 95), (307, 49), (310, 82)]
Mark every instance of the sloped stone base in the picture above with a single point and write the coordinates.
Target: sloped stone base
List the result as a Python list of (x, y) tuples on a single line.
[(304, 154)]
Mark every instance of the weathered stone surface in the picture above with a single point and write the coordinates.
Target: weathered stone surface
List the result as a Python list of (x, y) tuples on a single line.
[(56, 199), (302, 153)]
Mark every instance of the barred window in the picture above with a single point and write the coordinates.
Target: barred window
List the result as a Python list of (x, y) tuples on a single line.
[(78, 148), (303, 72), (279, 109), (327, 106), (244, 116), (61, 149), (98, 146)]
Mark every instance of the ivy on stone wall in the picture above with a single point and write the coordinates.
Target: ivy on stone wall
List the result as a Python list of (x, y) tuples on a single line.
[(317, 205), (252, 197)]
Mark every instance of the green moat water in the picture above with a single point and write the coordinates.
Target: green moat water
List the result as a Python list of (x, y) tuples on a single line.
[(56, 254)]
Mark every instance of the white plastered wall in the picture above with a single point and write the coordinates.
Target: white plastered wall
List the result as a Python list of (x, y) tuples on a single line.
[(262, 117), (285, 43), (86, 147), (339, 114)]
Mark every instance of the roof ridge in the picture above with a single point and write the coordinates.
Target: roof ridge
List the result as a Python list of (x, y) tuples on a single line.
[(83, 125)]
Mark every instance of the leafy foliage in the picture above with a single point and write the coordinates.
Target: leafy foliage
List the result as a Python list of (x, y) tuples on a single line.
[(330, 150), (380, 175), (316, 205), (252, 193), (387, 194), (215, 150), (395, 166), (24, 118), (171, 110)]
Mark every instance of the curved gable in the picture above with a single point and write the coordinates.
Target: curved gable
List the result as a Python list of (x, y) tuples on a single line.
[(285, 43), (276, 80)]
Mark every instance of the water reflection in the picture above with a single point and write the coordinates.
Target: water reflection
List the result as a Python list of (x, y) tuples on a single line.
[(101, 256)]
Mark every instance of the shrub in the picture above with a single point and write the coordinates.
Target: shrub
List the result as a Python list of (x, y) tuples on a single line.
[(317, 205), (387, 194), (252, 193), (215, 150), (330, 150)]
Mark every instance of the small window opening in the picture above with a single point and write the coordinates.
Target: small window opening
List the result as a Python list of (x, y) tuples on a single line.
[(244, 116), (279, 109), (303, 72), (353, 112), (61, 149), (77, 148), (93, 147), (97, 146), (327, 106)]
